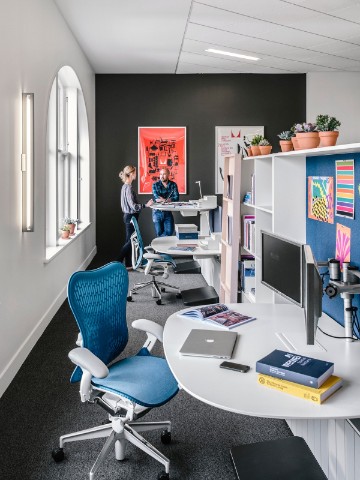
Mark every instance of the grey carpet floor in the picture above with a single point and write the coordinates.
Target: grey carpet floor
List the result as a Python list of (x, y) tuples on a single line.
[(41, 404)]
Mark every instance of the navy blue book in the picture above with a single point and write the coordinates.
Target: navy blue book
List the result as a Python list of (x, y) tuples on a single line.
[(295, 368)]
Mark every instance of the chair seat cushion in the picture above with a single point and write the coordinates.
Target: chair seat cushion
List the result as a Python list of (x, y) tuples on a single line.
[(146, 380)]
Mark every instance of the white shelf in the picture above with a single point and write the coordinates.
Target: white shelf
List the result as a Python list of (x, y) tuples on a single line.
[(314, 152)]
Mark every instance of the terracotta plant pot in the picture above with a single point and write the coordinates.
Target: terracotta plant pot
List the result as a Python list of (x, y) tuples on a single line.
[(295, 143), (308, 140), (286, 145), (328, 139), (65, 234), (265, 149), (72, 228), (255, 150), (249, 152)]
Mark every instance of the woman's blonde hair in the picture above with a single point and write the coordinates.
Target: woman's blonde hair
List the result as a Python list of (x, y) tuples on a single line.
[(125, 173)]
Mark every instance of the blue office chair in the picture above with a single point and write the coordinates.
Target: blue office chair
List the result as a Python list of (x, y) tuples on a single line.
[(151, 263), (128, 388)]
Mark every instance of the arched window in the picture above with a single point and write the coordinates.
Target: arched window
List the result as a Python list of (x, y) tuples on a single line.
[(67, 193)]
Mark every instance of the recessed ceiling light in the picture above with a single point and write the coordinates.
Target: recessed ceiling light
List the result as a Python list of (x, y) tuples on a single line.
[(230, 54)]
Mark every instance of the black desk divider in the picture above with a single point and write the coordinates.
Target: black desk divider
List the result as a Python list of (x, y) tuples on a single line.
[(199, 296), (282, 459)]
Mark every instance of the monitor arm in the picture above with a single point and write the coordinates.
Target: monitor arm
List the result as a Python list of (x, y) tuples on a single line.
[(346, 288)]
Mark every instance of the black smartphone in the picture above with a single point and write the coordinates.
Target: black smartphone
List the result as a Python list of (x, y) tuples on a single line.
[(235, 366)]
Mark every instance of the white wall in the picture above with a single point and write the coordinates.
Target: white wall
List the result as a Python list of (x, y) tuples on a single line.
[(35, 43), (336, 94)]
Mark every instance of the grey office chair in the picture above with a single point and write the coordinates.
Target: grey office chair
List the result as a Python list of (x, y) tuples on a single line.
[(126, 389), (154, 264)]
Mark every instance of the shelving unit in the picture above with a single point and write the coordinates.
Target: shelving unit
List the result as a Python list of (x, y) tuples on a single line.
[(279, 207), (230, 237)]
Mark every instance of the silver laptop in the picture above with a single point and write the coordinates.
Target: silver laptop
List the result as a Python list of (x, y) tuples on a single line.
[(209, 343)]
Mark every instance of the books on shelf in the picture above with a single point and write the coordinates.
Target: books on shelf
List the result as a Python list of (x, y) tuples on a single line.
[(247, 273), (295, 368), (218, 314), (316, 395), (248, 240)]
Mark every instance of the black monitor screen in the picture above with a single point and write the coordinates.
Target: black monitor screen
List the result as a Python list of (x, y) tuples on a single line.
[(282, 266)]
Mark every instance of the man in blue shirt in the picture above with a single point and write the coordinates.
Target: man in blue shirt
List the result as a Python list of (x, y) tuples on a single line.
[(164, 191)]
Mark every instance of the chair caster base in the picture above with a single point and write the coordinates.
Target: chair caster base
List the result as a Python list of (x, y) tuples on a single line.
[(163, 476), (129, 298), (58, 454), (158, 302), (178, 295), (165, 437)]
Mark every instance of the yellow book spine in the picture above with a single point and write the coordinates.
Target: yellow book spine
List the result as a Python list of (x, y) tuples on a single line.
[(302, 391)]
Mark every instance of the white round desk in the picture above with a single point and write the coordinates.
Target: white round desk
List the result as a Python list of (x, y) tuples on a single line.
[(165, 245), (240, 392)]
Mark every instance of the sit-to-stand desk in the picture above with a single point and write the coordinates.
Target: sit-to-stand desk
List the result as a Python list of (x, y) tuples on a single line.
[(191, 209), (241, 393)]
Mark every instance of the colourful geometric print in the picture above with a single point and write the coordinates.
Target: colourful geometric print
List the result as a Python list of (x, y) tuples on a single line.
[(343, 243), (345, 188), (321, 199)]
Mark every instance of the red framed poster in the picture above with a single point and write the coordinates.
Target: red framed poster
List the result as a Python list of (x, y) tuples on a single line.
[(161, 147)]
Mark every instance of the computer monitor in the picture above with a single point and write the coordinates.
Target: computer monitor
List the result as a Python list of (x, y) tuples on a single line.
[(313, 292), (290, 270), (282, 266)]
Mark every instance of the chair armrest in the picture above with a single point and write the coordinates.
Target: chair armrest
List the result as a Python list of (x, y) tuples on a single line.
[(154, 256), (88, 361), (149, 249), (154, 331)]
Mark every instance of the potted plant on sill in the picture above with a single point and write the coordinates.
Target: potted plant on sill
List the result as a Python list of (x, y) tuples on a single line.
[(71, 223), (327, 127), (307, 135), (286, 144), (255, 150), (265, 147), (65, 232)]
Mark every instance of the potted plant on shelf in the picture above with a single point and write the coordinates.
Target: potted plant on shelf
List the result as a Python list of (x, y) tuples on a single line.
[(71, 223), (327, 127), (307, 135), (255, 150), (265, 147), (286, 144), (65, 231)]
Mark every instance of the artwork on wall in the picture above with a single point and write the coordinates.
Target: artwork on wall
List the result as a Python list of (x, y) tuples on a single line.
[(228, 141), (343, 236), (345, 188), (321, 199), (161, 147)]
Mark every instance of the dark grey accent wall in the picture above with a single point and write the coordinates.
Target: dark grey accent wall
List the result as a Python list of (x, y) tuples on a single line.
[(199, 102)]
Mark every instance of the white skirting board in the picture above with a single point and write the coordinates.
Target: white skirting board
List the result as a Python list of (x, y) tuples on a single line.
[(335, 444)]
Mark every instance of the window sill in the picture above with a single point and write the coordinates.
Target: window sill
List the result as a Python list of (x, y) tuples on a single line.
[(52, 252)]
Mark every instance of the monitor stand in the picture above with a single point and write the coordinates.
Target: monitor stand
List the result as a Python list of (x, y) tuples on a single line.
[(295, 342)]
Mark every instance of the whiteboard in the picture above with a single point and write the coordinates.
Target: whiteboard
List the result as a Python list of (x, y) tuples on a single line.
[(229, 141)]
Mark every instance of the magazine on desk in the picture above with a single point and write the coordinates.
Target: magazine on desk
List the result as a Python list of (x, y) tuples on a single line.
[(218, 314)]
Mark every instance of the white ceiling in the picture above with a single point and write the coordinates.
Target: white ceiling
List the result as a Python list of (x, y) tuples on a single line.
[(171, 36)]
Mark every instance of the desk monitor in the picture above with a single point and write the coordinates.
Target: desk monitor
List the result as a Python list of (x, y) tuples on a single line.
[(282, 266)]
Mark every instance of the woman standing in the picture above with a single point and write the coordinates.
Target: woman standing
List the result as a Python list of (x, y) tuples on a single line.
[(131, 208)]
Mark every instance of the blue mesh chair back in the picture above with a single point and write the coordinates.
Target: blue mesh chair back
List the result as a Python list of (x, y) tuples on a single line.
[(98, 301)]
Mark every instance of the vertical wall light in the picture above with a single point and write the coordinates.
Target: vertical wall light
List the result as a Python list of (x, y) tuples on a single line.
[(27, 162)]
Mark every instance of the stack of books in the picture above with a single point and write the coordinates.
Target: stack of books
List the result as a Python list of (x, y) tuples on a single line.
[(186, 231), (304, 377)]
